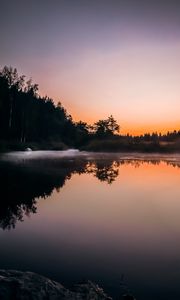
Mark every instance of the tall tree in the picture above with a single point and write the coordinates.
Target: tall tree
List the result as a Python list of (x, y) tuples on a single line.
[(107, 127)]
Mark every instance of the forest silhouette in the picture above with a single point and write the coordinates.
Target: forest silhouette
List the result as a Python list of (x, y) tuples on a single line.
[(29, 120)]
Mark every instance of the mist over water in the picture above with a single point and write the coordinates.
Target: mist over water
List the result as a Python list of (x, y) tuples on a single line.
[(18, 156), (110, 218)]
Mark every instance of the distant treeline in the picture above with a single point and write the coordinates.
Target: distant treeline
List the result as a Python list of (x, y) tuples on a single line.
[(27, 119)]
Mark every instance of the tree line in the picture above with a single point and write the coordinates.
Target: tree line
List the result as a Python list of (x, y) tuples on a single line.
[(26, 117)]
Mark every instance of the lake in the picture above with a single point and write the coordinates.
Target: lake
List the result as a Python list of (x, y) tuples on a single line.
[(110, 218)]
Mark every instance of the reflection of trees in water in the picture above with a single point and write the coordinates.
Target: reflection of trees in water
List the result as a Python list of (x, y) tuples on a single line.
[(106, 171), (10, 214), (23, 184)]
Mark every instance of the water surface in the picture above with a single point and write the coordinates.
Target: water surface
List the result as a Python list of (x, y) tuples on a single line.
[(113, 219)]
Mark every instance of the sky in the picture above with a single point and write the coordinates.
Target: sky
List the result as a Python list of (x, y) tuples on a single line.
[(99, 57)]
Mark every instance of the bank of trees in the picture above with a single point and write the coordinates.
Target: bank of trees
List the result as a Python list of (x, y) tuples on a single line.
[(25, 116)]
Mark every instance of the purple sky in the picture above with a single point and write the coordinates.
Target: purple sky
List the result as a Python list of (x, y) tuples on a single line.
[(99, 57)]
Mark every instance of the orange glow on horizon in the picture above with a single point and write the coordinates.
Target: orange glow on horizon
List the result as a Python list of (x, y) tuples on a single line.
[(163, 129), (138, 85), (131, 121), (128, 127)]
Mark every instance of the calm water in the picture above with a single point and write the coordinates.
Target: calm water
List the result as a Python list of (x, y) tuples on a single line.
[(113, 219)]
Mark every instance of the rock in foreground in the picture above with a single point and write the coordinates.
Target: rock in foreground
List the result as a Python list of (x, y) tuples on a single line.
[(16, 285)]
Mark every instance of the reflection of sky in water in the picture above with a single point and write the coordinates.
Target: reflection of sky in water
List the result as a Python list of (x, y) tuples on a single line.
[(98, 231)]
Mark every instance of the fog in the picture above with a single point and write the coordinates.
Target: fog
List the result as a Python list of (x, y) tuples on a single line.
[(22, 156)]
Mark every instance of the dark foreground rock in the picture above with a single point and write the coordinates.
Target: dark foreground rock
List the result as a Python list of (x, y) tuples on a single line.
[(16, 285)]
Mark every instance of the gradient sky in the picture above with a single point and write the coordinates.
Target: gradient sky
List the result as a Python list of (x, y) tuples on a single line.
[(99, 57)]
